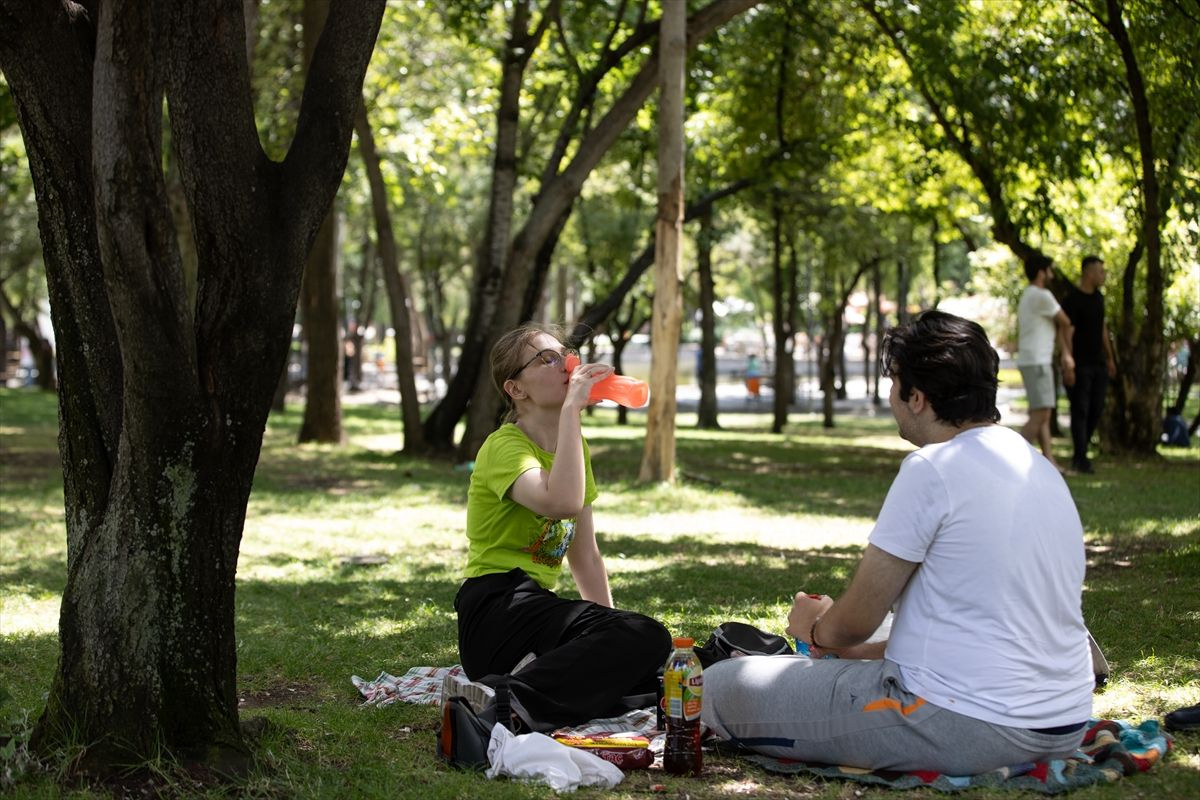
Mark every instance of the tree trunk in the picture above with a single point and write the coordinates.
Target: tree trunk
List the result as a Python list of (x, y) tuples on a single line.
[(880, 327), (39, 345), (902, 278), (163, 405), (319, 311), (1137, 399), (706, 375), (1189, 377), (319, 318), (658, 456), (783, 292), (833, 347), (492, 257), (397, 292)]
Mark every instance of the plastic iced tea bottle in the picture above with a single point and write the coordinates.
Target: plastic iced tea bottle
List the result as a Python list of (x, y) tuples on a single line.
[(622, 389), (683, 688)]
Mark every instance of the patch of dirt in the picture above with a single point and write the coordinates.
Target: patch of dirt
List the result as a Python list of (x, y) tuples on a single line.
[(284, 695)]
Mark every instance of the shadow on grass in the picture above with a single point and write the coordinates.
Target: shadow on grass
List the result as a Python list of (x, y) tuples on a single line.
[(36, 577)]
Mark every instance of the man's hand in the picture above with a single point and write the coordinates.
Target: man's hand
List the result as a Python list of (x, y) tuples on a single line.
[(805, 609)]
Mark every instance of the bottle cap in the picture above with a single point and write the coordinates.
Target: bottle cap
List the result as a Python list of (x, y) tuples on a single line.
[(683, 641)]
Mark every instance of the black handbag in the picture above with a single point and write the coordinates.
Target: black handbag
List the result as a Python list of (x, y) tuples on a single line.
[(732, 639)]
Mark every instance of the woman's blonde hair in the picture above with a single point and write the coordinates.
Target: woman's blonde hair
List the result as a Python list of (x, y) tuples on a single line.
[(509, 354)]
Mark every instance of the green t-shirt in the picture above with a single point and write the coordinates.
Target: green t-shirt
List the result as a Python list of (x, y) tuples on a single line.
[(504, 534)]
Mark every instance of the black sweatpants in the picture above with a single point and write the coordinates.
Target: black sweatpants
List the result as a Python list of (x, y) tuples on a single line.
[(591, 661)]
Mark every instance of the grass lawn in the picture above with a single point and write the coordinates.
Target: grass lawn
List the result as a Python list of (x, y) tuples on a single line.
[(754, 518)]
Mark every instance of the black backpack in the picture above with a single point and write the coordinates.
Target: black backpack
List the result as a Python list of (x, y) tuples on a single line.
[(462, 737), (731, 639)]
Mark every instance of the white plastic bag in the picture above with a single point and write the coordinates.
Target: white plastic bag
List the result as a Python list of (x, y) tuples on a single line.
[(537, 757)]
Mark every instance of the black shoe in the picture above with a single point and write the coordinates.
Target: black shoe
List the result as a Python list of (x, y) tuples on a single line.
[(1083, 467), (1183, 719)]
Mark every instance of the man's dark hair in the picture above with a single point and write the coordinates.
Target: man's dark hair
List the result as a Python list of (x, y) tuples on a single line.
[(1088, 261), (949, 359), (1035, 264)]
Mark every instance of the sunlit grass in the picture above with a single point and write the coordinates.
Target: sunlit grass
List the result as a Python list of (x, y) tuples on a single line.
[(351, 557)]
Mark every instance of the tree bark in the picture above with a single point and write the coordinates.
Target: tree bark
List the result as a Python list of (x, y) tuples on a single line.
[(658, 456), (162, 408)]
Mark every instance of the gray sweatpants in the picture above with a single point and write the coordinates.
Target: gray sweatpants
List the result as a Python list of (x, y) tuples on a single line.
[(857, 713)]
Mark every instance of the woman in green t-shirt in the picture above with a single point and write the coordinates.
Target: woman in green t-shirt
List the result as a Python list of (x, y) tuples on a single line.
[(529, 506)]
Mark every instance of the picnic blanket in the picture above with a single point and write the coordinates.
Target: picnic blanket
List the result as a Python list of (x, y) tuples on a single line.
[(1111, 749), (423, 686)]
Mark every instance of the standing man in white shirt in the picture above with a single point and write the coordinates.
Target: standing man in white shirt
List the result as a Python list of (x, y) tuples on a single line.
[(1040, 319)]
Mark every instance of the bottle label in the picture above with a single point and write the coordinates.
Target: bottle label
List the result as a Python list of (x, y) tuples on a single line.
[(683, 687)]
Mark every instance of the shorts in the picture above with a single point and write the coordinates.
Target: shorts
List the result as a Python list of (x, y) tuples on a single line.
[(1039, 385)]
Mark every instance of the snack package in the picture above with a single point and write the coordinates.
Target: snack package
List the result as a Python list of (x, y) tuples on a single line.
[(625, 752)]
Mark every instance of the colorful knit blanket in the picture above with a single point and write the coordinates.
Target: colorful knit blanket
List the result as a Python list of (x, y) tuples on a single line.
[(1110, 751)]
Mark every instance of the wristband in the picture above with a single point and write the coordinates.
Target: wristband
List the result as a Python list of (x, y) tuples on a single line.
[(812, 634)]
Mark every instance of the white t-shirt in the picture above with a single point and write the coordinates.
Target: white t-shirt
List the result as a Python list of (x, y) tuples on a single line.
[(990, 625), (1035, 326)]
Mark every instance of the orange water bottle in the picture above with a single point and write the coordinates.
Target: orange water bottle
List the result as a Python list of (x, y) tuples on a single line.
[(622, 389)]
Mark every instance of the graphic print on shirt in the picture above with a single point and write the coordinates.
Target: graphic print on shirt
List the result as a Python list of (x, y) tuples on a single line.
[(552, 543)]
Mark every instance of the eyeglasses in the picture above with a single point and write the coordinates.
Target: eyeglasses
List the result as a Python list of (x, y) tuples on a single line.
[(551, 358)]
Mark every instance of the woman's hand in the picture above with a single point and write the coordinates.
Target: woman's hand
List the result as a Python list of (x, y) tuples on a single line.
[(581, 381), (805, 609)]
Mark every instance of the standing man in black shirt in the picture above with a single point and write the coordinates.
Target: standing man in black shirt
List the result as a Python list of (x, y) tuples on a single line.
[(1094, 361)]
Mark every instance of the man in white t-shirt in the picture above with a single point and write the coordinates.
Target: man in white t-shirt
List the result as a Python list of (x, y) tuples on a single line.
[(979, 550), (1040, 320)]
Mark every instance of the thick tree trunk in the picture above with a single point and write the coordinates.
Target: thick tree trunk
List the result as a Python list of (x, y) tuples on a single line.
[(397, 292), (658, 456), (162, 410), (706, 375)]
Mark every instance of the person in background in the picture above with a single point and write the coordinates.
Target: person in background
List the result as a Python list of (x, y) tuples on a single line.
[(1039, 320), (1095, 363)]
